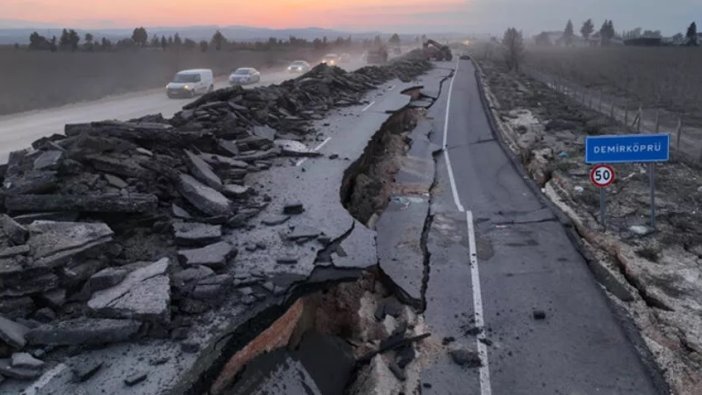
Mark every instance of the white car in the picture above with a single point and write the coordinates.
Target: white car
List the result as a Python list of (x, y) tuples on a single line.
[(188, 83), (299, 66), (330, 59), (244, 76)]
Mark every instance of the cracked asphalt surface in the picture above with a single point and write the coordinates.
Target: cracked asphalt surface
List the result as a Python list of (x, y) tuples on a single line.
[(526, 264)]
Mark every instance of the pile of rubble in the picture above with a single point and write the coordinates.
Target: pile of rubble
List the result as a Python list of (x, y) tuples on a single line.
[(118, 230)]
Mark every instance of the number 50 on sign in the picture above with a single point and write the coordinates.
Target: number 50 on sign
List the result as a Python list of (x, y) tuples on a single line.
[(602, 176)]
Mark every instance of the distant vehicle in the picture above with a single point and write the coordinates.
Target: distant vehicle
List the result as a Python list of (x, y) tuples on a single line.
[(299, 66), (465, 57), (188, 83), (331, 59), (435, 51), (244, 76)]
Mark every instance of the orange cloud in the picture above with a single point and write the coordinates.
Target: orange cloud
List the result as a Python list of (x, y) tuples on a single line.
[(269, 13)]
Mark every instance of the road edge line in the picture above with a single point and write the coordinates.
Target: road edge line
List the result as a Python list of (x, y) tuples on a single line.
[(485, 385), (452, 180)]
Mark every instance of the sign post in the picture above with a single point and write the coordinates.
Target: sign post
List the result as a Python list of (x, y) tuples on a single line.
[(602, 176), (632, 148)]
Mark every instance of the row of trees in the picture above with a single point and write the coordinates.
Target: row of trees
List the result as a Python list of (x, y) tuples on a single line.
[(607, 34), (70, 40)]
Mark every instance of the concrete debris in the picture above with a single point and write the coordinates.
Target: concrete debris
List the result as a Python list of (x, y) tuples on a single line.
[(6, 369), (26, 361), (135, 378), (293, 208), (106, 278), (273, 220), (12, 333), (295, 149), (14, 231), (52, 243), (144, 294), (90, 211), (466, 357), (83, 331), (204, 198), (195, 234), (202, 171), (84, 370), (48, 160), (89, 203), (214, 255), (539, 315)]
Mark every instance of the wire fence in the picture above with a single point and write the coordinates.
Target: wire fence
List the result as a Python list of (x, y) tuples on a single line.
[(685, 139)]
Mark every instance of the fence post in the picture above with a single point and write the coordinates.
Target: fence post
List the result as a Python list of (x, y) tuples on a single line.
[(638, 119)]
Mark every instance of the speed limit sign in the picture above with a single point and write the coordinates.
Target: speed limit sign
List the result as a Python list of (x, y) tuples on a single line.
[(602, 176)]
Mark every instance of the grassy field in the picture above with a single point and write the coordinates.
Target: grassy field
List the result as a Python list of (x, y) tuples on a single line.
[(34, 80), (666, 77)]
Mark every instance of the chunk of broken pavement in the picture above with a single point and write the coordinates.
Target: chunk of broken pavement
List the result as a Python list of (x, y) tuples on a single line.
[(106, 278), (48, 160), (193, 234), (293, 208), (12, 333), (265, 132), (144, 294), (180, 212), (214, 255), (53, 242), (6, 369), (295, 148), (272, 220), (202, 171), (97, 203), (135, 378), (14, 231), (236, 191), (115, 181), (83, 331), (466, 356), (26, 360), (286, 260), (86, 369), (204, 198)]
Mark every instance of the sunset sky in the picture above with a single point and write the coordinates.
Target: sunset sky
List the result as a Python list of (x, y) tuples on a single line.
[(383, 15)]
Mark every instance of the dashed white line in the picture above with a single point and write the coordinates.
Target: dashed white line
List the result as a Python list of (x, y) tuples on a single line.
[(315, 149), (368, 106), (454, 191), (485, 386)]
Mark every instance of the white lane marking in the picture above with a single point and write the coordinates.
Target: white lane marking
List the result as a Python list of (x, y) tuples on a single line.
[(315, 149), (44, 379), (368, 106), (485, 386), (391, 87), (454, 190)]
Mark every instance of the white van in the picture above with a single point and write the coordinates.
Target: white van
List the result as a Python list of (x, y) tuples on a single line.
[(188, 83)]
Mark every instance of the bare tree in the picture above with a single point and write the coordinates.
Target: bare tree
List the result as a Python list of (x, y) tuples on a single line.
[(513, 42)]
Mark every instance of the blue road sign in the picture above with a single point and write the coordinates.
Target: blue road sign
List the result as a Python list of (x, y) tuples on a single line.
[(629, 148)]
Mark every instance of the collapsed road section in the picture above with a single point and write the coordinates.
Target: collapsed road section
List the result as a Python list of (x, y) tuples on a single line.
[(163, 256)]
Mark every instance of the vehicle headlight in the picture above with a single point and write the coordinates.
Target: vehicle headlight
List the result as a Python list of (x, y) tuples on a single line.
[(186, 87)]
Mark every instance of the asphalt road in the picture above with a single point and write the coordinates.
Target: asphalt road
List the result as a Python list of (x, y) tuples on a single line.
[(498, 255), (18, 131)]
